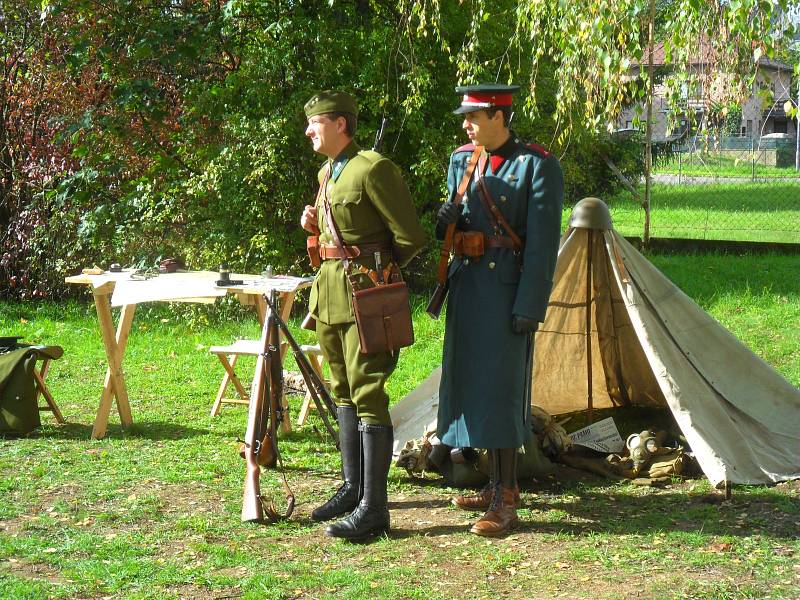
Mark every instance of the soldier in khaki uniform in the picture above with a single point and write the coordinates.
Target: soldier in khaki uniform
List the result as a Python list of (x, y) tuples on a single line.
[(372, 208)]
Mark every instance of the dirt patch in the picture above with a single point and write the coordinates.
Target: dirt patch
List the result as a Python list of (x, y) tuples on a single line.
[(31, 570), (196, 592), (188, 499)]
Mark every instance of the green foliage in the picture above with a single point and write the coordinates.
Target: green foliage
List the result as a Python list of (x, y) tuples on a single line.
[(586, 172), (167, 128)]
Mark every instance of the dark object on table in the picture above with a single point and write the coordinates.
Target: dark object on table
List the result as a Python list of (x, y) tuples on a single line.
[(225, 277), (170, 265), (115, 268)]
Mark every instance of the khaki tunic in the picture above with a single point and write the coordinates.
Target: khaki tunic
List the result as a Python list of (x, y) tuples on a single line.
[(371, 204)]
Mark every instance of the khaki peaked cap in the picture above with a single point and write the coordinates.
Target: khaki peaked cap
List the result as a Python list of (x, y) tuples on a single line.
[(330, 101)]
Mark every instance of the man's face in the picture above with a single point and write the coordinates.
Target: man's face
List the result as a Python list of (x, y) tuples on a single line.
[(482, 130), (325, 134)]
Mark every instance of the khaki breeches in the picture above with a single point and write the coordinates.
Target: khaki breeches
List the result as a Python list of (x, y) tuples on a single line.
[(357, 379)]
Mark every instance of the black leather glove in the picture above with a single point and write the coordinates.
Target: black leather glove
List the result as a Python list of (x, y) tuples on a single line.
[(448, 213), (520, 324)]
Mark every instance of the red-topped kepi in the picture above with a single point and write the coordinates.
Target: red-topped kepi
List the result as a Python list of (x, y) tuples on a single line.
[(483, 96)]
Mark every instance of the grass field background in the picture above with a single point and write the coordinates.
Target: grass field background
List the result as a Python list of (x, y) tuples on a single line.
[(153, 511), (752, 212), (710, 164)]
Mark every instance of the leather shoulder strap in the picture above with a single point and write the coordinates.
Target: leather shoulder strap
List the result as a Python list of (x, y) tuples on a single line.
[(337, 235), (495, 216), (447, 244)]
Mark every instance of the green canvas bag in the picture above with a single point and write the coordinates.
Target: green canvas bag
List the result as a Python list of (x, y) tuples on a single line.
[(19, 411)]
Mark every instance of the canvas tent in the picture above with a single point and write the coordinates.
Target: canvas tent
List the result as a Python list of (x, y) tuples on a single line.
[(651, 345)]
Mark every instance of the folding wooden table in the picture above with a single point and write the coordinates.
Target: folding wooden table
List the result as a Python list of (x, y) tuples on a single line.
[(120, 289)]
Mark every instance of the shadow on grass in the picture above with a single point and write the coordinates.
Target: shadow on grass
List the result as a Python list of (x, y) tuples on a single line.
[(408, 504), (606, 512), (578, 503), (433, 531), (148, 430)]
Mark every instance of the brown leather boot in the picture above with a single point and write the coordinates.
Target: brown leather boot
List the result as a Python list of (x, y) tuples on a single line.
[(481, 500), (501, 516)]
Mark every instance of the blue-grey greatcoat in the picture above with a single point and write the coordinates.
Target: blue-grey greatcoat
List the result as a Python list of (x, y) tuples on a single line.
[(484, 395)]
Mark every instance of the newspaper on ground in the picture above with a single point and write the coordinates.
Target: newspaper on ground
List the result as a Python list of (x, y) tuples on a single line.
[(602, 436)]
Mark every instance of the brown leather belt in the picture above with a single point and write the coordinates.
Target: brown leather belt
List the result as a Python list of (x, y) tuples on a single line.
[(489, 241), (329, 252), (498, 241)]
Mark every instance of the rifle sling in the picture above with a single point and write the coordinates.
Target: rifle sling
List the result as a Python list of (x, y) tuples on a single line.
[(447, 244), (269, 509), (493, 212), (272, 358)]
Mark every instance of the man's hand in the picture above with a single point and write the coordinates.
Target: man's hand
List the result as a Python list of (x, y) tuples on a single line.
[(308, 220), (448, 214), (520, 324)]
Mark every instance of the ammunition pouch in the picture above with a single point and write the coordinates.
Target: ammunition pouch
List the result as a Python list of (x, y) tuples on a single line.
[(473, 244), (468, 243), (312, 247)]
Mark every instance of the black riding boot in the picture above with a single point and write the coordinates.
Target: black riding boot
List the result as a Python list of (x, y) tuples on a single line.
[(371, 516), (346, 497)]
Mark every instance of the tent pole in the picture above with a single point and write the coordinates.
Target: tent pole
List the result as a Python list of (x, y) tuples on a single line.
[(589, 398)]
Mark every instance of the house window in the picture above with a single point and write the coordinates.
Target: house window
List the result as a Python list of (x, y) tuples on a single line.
[(749, 132)]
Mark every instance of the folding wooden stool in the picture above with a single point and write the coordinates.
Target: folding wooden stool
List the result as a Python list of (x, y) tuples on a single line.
[(315, 357), (46, 354), (228, 355)]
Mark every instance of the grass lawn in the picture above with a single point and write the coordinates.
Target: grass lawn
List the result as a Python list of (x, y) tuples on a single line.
[(153, 511), (699, 164), (756, 212)]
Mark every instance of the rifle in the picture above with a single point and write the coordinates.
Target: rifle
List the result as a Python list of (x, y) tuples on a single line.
[(435, 304), (434, 308), (260, 447), (376, 146), (319, 393)]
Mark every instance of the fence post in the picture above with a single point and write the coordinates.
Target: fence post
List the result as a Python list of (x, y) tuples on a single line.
[(680, 166), (797, 132), (648, 156), (753, 158)]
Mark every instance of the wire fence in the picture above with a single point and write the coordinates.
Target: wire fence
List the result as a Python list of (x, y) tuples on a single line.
[(724, 188)]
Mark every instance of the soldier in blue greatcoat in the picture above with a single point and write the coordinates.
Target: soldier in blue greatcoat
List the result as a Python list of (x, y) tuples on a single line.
[(507, 233)]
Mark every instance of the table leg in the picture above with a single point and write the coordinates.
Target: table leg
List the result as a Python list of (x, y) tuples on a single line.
[(114, 384)]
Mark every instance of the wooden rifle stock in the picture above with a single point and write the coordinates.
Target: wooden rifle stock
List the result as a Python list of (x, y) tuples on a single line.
[(435, 304), (257, 414)]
